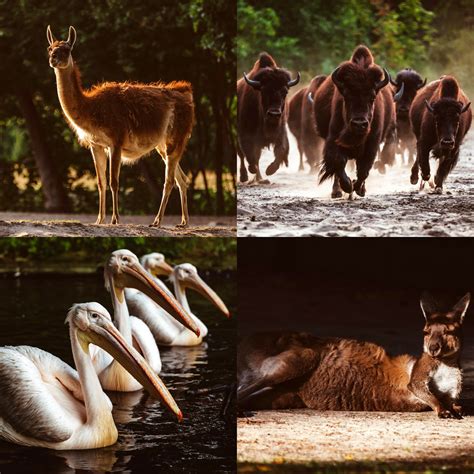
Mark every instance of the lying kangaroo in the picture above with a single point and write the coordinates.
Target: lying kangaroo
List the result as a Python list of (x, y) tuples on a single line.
[(298, 370)]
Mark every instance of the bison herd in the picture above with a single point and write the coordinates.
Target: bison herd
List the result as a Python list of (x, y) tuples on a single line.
[(357, 113)]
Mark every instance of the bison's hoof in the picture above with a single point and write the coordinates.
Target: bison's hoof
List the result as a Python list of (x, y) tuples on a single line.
[(445, 414), (359, 188), (346, 184), (336, 194), (458, 410), (272, 168), (252, 168), (414, 178), (264, 181), (438, 190), (244, 177), (380, 167)]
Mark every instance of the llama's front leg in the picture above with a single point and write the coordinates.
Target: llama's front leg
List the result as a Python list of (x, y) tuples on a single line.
[(168, 186), (100, 162), (181, 181), (115, 162)]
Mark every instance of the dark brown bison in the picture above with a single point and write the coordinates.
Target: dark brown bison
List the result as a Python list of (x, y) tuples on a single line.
[(354, 113), (303, 126), (405, 87), (262, 115), (440, 116)]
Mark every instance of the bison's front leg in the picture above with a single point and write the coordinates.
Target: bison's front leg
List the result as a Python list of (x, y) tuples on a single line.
[(423, 161), (334, 164), (364, 163), (244, 177), (445, 166), (281, 150)]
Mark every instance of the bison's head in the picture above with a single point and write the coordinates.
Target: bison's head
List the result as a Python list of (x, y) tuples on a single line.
[(359, 87), (447, 114), (273, 85), (407, 84)]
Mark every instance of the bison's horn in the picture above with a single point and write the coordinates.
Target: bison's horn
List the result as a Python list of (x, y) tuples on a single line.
[(251, 82), (310, 98), (334, 78), (464, 109), (428, 106), (422, 84), (384, 81), (394, 83), (399, 94), (293, 82)]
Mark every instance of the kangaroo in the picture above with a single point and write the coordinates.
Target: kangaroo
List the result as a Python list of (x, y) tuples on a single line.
[(299, 370)]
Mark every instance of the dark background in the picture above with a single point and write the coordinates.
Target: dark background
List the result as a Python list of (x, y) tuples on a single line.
[(367, 289)]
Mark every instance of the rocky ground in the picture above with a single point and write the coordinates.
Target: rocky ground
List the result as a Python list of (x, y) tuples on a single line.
[(295, 205)]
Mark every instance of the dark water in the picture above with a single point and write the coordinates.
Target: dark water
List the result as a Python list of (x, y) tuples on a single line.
[(33, 311)]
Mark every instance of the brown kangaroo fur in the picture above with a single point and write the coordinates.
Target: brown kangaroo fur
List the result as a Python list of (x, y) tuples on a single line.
[(123, 122), (298, 370)]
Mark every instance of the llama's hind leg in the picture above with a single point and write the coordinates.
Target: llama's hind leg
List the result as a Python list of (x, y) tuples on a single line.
[(100, 162), (115, 162), (167, 187), (181, 181)]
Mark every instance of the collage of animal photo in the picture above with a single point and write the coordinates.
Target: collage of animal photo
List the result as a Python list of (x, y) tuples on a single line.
[(165, 170)]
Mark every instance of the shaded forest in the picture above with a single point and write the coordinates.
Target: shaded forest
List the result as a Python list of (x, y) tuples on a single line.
[(42, 167), (434, 37)]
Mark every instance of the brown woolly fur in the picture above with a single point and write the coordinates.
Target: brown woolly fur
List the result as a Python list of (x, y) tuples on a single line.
[(354, 113), (122, 122), (262, 115), (282, 370), (440, 117)]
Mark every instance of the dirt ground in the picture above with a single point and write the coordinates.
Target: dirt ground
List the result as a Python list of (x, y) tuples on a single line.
[(15, 224), (295, 205), (343, 438)]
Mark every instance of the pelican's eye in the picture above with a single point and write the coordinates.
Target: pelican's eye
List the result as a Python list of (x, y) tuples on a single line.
[(94, 315)]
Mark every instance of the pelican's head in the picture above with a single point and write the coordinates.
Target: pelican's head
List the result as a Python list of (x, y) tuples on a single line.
[(92, 324), (187, 276), (123, 270), (155, 263)]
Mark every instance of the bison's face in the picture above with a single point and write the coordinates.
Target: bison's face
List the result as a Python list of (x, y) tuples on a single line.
[(273, 85), (359, 88), (404, 103), (447, 115), (407, 84)]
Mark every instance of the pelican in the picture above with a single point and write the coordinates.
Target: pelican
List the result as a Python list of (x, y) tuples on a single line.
[(122, 271), (46, 403), (168, 331)]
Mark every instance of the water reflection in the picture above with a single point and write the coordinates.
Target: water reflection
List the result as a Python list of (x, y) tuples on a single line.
[(33, 311)]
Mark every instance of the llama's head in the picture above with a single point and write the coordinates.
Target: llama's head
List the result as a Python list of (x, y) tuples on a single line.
[(60, 51)]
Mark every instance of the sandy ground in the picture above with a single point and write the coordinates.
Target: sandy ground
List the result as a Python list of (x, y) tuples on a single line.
[(15, 224), (343, 439), (294, 205)]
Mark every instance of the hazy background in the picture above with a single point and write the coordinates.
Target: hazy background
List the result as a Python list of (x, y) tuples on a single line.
[(433, 37), (117, 40)]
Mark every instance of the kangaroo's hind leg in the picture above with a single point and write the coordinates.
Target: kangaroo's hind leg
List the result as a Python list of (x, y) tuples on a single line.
[(262, 387)]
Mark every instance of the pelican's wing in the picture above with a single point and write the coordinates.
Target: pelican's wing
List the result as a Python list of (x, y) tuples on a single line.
[(145, 343), (26, 403)]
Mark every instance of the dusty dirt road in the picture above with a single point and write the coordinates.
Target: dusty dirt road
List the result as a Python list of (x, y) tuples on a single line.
[(81, 225), (295, 205)]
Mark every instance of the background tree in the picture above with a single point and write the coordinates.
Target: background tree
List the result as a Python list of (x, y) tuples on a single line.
[(118, 40)]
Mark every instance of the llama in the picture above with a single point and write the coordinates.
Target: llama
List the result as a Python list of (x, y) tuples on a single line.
[(123, 122)]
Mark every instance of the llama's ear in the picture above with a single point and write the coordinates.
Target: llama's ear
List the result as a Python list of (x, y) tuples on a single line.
[(427, 305), (461, 306), (50, 36), (71, 39)]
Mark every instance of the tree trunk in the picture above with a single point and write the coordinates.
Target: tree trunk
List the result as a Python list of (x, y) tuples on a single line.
[(55, 197)]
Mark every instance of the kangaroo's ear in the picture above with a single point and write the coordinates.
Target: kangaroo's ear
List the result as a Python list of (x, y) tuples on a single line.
[(461, 306), (427, 304)]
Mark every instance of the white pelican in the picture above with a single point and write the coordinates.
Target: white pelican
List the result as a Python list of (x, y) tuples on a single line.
[(46, 403), (168, 331), (123, 270)]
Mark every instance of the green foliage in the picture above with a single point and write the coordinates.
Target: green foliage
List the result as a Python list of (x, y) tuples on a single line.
[(216, 254), (118, 40)]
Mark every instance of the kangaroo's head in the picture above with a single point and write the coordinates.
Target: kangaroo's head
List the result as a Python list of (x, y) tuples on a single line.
[(60, 51), (443, 329)]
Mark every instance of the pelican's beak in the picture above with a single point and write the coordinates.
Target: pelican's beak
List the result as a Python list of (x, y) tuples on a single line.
[(195, 282), (137, 277), (107, 336), (162, 268)]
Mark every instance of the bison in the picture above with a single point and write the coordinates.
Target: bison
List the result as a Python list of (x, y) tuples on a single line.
[(406, 85), (262, 115), (440, 116), (354, 113), (301, 123)]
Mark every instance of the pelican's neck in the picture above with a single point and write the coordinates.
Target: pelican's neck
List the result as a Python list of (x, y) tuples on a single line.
[(70, 91), (94, 397), (182, 299), (121, 314)]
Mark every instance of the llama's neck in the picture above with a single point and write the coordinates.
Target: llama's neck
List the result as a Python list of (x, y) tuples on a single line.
[(70, 92)]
